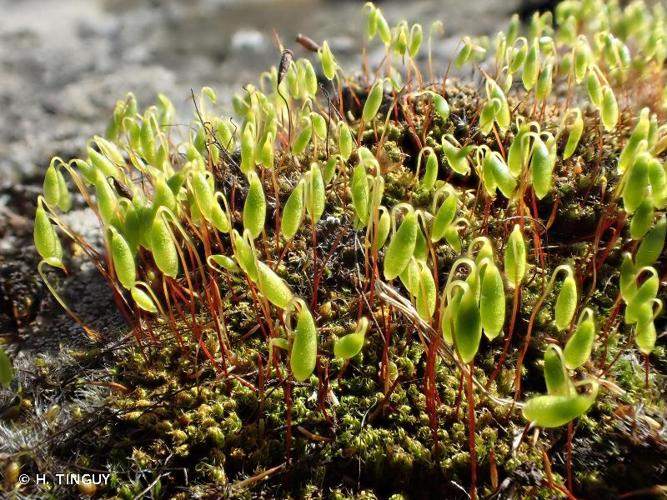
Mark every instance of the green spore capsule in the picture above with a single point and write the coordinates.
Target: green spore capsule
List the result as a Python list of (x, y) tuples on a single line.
[(641, 220), (452, 237), (254, 208), (497, 169), (531, 66), (488, 115), (303, 355), (248, 146), (491, 300), (123, 260), (360, 193), (410, 277), (645, 335), (515, 257), (303, 139), (637, 187), (431, 171), (163, 247), (578, 348), (441, 106), (574, 136), (273, 287), (544, 82), (143, 300), (51, 186), (383, 228), (219, 218), (554, 411), (609, 108), (467, 325), (639, 134), (345, 142), (651, 246), (46, 239), (348, 346), (107, 200), (373, 101), (102, 163), (555, 374), (457, 158), (314, 195), (426, 296), (516, 156), (447, 315), (415, 40), (644, 294), (566, 301), (401, 247), (225, 262), (244, 253), (328, 61), (293, 212), (203, 194), (541, 166), (658, 180), (594, 89), (266, 155), (628, 281), (443, 217)]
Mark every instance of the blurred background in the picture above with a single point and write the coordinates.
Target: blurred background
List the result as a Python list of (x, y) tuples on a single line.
[(63, 64)]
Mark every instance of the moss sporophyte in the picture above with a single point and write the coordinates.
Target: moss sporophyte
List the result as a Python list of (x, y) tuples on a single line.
[(391, 228)]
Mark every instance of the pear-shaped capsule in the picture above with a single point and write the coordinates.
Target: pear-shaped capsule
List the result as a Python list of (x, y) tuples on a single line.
[(46, 239), (578, 348), (651, 246), (467, 326), (645, 336), (123, 260), (574, 135), (555, 411), (303, 356), (641, 220), (351, 344), (254, 208), (401, 247), (360, 192), (345, 142), (443, 217), (609, 108), (143, 300), (555, 374), (273, 287), (245, 253), (373, 101), (515, 257), (293, 212), (163, 248), (628, 283), (644, 294), (203, 193), (314, 194), (491, 300), (541, 167), (426, 296), (566, 302)]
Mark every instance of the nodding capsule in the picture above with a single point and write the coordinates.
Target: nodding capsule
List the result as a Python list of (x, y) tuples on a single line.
[(307, 43), (286, 60)]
